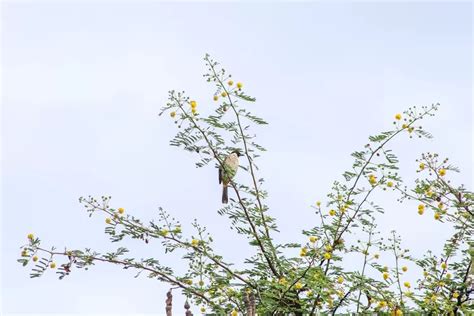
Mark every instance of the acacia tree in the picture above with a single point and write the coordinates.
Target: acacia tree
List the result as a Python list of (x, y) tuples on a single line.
[(315, 281)]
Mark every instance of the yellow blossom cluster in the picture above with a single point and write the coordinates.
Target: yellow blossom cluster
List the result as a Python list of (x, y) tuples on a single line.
[(193, 107), (372, 179), (421, 209), (282, 281)]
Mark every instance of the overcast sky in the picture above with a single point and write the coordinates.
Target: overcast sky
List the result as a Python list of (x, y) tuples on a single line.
[(83, 83)]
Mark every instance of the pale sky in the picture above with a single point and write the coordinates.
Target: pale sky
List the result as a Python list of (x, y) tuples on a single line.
[(83, 83)]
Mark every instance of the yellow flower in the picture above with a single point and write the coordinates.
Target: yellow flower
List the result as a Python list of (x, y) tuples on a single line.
[(31, 236), (398, 116), (448, 275), (224, 94), (239, 85), (441, 283), (282, 281), (399, 312), (234, 313), (440, 205), (407, 284), (422, 166), (298, 285), (421, 207), (442, 172), (177, 230), (52, 265), (385, 275), (121, 210), (303, 252), (194, 242), (108, 220), (327, 256), (437, 216), (318, 203), (24, 253), (313, 239), (444, 265), (193, 104), (215, 98), (390, 184), (328, 247), (411, 129), (203, 310), (201, 283), (173, 114), (188, 281), (332, 212), (372, 179), (385, 268), (429, 193), (340, 279), (404, 125), (343, 209), (230, 82), (382, 304), (309, 293), (425, 273), (404, 269), (376, 256), (164, 232), (35, 258), (330, 302), (456, 294), (194, 111)]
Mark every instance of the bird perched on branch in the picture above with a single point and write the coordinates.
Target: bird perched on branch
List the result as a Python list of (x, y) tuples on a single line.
[(227, 172)]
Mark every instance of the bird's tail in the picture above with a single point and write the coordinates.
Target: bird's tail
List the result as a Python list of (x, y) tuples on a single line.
[(225, 196)]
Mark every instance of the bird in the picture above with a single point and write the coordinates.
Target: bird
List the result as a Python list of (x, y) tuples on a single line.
[(227, 172)]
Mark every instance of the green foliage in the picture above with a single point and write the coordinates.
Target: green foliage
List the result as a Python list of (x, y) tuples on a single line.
[(282, 282)]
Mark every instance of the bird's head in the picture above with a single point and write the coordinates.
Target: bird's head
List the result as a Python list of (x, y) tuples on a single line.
[(237, 152)]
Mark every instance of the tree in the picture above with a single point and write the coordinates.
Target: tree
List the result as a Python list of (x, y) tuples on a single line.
[(314, 281)]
